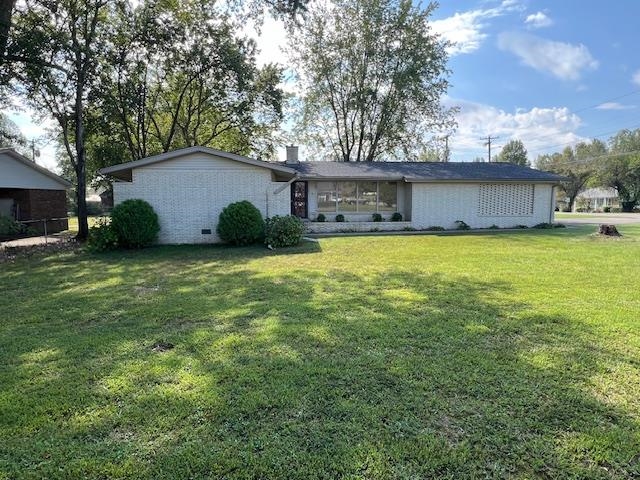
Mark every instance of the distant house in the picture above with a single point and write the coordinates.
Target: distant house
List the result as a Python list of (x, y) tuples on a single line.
[(596, 199), (188, 188), (29, 192)]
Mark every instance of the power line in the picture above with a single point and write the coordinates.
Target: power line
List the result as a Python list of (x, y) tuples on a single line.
[(592, 137), (587, 160)]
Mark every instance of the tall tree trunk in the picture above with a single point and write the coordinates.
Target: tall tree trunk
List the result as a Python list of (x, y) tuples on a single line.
[(6, 8), (81, 198), (81, 162), (572, 200)]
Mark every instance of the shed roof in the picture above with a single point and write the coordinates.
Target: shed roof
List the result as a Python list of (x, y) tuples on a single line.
[(12, 154)]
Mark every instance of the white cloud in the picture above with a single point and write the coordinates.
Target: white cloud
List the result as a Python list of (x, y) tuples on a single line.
[(563, 60), (538, 20), (636, 78), (466, 30), (271, 41), (614, 106), (542, 130)]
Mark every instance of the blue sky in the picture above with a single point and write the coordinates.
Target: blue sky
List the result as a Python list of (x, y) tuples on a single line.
[(547, 72), (550, 73)]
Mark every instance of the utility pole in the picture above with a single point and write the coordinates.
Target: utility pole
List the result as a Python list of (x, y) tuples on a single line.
[(446, 149), (34, 151), (488, 143)]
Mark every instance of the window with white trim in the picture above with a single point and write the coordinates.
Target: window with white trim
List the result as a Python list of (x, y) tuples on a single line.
[(506, 199), (357, 197)]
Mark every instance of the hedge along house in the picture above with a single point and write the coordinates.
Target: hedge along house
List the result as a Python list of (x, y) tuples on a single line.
[(30, 193), (188, 189)]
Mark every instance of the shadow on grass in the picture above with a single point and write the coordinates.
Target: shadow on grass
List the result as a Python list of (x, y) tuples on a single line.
[(290, 373)]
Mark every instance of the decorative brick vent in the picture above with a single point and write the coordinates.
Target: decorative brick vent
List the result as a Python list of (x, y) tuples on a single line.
[(505, 199)]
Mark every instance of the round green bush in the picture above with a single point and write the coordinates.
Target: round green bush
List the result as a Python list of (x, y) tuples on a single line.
[(135, 224), (396, 217), (321, 218), (339, 218), (240, 223), (283, 231), (377, 217), (102, 237)]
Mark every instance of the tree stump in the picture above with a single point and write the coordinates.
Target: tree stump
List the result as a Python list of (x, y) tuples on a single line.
[(608, 230)]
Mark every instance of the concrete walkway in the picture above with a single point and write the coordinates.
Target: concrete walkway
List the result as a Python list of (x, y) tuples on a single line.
[(30, 241), (598, 218)]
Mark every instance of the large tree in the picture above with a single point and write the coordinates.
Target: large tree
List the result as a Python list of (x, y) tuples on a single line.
[(372, 74), (54, 50), (177, 76), (6, 10), (514, 152), (577, 164), (621, 168)]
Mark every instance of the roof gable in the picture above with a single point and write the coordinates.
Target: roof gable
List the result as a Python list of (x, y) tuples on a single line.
[(123, 170), (17, 171)]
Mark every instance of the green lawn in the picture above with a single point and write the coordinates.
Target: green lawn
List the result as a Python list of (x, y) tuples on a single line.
[(73, 223), (499, 355)]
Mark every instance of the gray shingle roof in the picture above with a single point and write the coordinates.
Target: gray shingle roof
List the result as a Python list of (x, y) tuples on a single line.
[(422, 171)]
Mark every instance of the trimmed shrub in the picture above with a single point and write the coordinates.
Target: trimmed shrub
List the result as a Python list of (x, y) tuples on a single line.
[(8, 226), (461, 225), (283, 231), (494, 227), (606, 209), (559, 225), (435, 228), (376, 217), (543, 225), (521, 226), (102, 237), (396, 217), (135, 224), (240, 223), (340, 218), (321, 218)]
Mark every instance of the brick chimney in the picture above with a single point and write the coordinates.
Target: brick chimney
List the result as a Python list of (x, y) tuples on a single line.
[(292, 154)]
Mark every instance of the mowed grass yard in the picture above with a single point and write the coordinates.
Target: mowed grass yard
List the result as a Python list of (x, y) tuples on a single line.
[(498, 355)]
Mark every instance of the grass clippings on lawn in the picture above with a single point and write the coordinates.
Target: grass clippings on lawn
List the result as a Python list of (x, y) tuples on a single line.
[(485, 356)]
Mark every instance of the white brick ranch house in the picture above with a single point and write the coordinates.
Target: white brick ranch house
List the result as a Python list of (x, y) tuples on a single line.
[(188, 189)]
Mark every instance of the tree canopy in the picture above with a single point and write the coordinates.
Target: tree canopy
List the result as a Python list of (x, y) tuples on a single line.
[(514, 152), (579, 164), (372, 74), (622, 169)]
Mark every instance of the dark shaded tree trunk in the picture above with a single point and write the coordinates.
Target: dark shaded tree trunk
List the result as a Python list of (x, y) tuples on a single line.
[(6, 9)]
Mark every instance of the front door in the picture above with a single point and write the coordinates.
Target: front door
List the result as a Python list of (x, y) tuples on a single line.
[(299, 199)]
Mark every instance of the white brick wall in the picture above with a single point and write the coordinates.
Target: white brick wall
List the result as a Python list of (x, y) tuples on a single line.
[(443, 204), (333, 227), (190, 199)]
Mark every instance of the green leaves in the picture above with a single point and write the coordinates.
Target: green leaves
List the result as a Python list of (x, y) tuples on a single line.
[(514, 152), (372, 75)]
